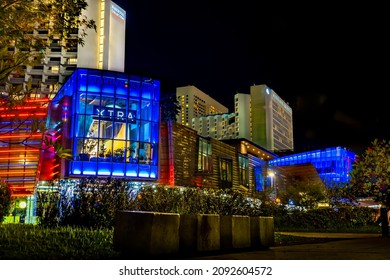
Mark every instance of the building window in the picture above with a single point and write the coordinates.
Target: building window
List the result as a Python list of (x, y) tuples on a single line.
[(225, 171), (243, 169), (204, 156)]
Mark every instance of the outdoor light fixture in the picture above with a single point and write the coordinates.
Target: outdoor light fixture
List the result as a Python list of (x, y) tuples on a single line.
[(22, 204)]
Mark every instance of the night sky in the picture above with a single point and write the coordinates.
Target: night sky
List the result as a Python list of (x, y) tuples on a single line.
[(329, 62)]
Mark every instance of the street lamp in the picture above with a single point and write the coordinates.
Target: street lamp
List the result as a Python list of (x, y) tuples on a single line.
[(271, 175)]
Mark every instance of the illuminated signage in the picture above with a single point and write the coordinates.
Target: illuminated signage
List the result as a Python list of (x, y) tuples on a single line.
[(118, 12), (119, 115)]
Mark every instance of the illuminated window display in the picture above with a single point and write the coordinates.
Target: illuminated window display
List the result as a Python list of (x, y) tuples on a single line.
[(114, 124)]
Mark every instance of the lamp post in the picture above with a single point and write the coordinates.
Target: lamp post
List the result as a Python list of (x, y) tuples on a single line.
[(22, 205), (271, 175)]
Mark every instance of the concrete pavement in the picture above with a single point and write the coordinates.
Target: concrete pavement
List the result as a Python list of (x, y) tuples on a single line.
[(342, 246)]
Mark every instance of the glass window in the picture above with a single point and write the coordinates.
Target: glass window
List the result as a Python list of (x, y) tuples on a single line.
[(145, 131), (225, 170), (243, 169), (204, 156), (132, 151)]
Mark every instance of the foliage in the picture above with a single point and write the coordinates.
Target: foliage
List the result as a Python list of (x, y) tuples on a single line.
[(91, 203), (20, 46), (370, 176), (304, 193), (60, 17), (340, 195), (325, 219), (48, 209), (5, 200), (170, 107), (59, 150)]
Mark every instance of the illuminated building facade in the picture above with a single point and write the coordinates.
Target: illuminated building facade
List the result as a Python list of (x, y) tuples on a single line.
[(110, 120), (220, 126), (271, 120), (103, 49), (188, 159), (195, 103), (333, 165), (22, 151), (261, 117)]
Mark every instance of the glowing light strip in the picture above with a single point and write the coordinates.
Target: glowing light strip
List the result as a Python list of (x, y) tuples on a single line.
[(20, 150), (21, 108), (17, 172), (34, 135), (22, 115), (32, 100), (18, 158)]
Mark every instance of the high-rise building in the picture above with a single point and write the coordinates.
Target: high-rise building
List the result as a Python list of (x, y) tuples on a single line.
[(271, 120), (103, 49), (261, 117), (195, 103)]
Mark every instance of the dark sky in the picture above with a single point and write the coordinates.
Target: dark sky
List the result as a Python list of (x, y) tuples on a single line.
[(328, 61)]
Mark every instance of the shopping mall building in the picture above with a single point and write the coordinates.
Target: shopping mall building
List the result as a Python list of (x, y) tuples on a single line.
[(111, 122)]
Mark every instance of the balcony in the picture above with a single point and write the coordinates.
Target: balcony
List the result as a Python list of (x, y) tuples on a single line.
[(50, 80), (16, 80), (69, 52), (36, 70)]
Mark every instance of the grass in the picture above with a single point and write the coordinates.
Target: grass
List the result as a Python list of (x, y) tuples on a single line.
[(31, 242)]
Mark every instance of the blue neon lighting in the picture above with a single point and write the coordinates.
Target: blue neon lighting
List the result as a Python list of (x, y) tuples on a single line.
[(332, 164), (134, 121)]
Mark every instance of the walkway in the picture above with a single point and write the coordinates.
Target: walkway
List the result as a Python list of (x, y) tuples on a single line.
[(349, 246)]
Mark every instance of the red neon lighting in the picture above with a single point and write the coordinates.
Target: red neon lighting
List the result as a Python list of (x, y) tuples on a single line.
[(22, 115), (33, 100), (24, 135)]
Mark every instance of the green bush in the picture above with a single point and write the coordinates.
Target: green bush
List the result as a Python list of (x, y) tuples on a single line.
[(93, 203), (90, 203), (5, 200), (325, 219)]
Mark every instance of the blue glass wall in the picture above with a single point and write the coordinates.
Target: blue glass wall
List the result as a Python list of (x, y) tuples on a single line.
[(114, 124), (332, 164)]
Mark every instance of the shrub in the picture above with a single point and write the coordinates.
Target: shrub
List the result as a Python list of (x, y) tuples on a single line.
[(90, 203), (325, 219), (5, 200)]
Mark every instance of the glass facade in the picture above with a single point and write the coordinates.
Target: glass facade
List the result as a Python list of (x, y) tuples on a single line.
[(113, 124), (332, 164)]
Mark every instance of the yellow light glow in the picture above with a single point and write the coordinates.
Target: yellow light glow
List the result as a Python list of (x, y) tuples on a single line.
[(22, 204)]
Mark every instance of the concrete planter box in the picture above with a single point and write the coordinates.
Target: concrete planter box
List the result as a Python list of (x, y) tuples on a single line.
[(262, 232), (235, 232), (146, 233), (199, 232)]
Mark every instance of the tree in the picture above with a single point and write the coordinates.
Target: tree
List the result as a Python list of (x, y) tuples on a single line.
[(22, 44), (170, 107), (340, 194), (303, 193), (370, 177), (5, 200)]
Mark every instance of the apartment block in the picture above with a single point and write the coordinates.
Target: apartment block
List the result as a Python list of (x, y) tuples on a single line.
[(195, 103)]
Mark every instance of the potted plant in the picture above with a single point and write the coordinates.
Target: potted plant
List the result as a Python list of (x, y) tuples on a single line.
[(119, 154), (88, 147)]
